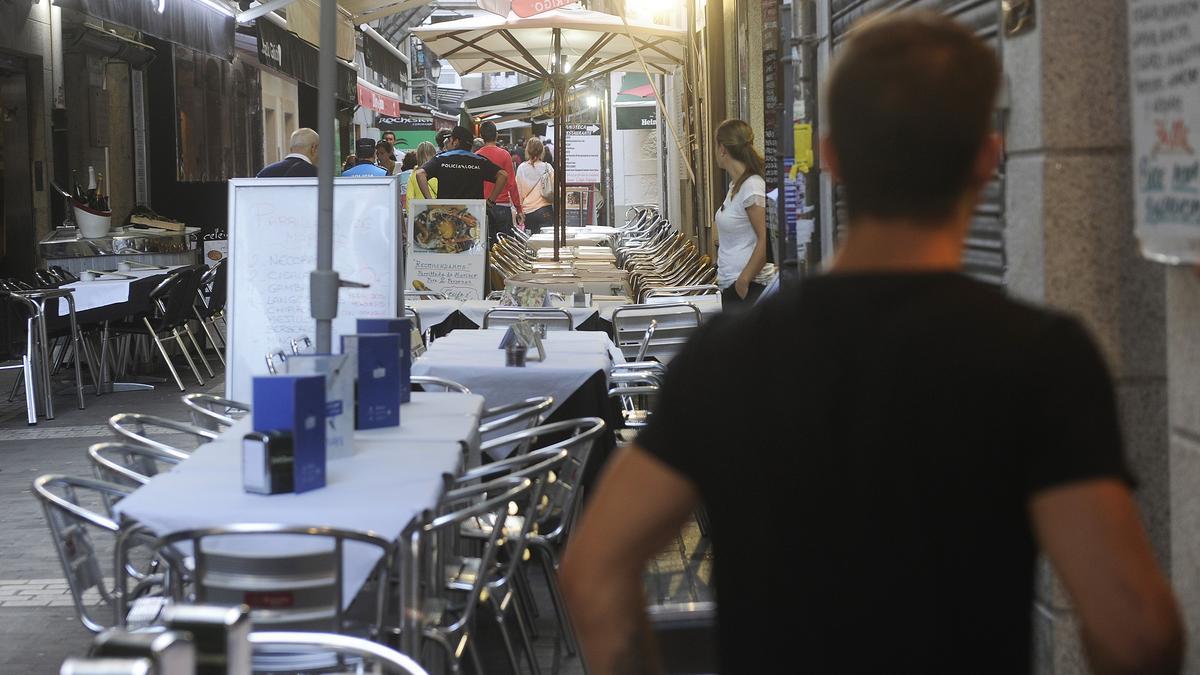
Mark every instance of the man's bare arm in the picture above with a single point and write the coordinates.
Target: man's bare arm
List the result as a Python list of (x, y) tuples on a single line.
[(1095, 541), (498, 186), (639, 504)]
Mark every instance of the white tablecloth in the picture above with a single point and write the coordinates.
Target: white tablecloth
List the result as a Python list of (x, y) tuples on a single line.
[(433, 312), (104, 291), (473, 358), (475, 309), (393, 476)]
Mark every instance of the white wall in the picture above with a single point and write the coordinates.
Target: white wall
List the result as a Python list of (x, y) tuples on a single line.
[(281, 115), (636, 163)]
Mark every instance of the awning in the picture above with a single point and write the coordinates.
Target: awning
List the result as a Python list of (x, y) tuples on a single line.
[(284, 51), (520, 93), (195, 24)]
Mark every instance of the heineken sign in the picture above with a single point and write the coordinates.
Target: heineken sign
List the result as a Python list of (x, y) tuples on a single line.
[(637, 117)]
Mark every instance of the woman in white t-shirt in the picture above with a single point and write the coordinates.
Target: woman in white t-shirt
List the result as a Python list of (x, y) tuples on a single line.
[(535, 184), (742, 218)]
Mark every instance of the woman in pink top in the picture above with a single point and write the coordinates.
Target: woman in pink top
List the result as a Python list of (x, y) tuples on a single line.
[(535, 183)]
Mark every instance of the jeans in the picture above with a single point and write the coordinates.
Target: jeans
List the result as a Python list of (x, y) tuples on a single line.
[(730, 299), (536, 221), (500, 219)]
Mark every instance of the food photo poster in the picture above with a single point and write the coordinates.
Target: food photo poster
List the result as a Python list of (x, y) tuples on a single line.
[(447, 247)]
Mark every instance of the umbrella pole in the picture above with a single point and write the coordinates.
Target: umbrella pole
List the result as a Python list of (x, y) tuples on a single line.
[(323, 282), (560, 158)]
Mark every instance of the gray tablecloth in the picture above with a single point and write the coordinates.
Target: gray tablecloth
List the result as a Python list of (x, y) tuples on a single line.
[(473, 358), (393, 476)]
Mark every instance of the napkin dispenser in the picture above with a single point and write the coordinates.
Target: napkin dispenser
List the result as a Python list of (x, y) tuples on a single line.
[(377, 381), (268, 462), (295, 403), (404, 328), (221, 636)]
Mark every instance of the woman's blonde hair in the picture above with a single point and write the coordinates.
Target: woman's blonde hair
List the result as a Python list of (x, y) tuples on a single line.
[(534, 149), (425, 152), (737, 138)]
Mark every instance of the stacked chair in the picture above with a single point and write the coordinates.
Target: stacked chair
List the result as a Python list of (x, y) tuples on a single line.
[(656, 255)]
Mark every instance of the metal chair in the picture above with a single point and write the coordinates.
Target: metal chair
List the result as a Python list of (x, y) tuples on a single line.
[(69, 522), (174, 298), (213, 412), (430, 383), (284, 589), (680, 291), (107, 666), (128, 465), (514, 417), (39, 338), (554, 318), (445, 622), (21, 347), (336, 646), (132, 426), (563, 498), (507, 584), (673, 323), (212, 307)]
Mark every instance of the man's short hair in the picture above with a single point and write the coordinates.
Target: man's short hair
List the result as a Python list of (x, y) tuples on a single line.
[(464, 137), (487, 131), (389, 133), (303, 139), (910, 105)]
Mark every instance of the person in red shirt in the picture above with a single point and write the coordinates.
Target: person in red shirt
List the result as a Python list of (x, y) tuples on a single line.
[(508, 204)]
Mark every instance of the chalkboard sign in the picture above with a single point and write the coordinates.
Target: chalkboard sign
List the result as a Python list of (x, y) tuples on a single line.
[(273, 248), (1164, 85)]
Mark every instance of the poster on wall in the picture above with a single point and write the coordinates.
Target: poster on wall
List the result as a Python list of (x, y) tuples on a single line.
[(411, 129), (447, 247), (1164, 86), (583, 153)]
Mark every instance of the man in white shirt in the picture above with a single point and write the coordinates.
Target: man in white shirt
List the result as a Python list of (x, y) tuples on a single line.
[(301, 162)]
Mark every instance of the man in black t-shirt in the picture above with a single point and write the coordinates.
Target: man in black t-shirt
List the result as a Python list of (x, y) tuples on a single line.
[(460, 172), (884, 450)]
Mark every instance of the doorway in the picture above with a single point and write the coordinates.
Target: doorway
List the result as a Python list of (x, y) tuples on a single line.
[(18, 248)]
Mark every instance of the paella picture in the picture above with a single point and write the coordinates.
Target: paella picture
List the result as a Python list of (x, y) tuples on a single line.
[(447, 228)]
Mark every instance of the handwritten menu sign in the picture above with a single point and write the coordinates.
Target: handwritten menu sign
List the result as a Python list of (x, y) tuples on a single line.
[(447, 247), (1164, 66)]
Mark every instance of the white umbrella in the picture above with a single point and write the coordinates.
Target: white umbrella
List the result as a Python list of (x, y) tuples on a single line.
[(562, 46)]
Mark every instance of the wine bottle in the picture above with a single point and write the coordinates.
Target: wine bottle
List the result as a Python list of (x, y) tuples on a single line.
[(91, 191), (76, 188), (101, 195)]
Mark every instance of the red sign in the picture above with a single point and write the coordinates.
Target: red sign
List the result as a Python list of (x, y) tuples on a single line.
[(528, 8), (378, 101)]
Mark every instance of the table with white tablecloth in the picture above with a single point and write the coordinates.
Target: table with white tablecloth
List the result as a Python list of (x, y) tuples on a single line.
[(109, 289), (393, 475), (444, 316)]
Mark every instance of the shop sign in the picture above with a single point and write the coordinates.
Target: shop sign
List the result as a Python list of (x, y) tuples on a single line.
[(583, 153), (637, 117), (528, 8), (1164, 87), (378, 101), (410, 130)]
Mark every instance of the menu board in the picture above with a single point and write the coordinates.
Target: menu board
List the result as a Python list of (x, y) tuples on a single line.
[(583, 153), (273, 248), (447, 249), (1164, 86)]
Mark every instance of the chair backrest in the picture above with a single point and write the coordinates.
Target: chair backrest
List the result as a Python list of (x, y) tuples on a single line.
[(411, 313), (175, 300), (213, 412), (14, 325), (565, 493), (132, 426), (70, 521), (555, 318), (678, 291), (673, 322), (289, 576), (487, 500), (650, 330), (514, 417), (103, 665), (336, 645), (220, 287), (438, 384), (127, 464)]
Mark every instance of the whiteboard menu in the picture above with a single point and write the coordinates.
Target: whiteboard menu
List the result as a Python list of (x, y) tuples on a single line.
[(273, 248), (1164, 85)]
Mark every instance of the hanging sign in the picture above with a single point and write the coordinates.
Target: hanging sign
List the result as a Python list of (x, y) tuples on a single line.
[(378, 101), (583, 153), (1164, 86), (528, 8), (410, 129), (637, 117), (447, 247)]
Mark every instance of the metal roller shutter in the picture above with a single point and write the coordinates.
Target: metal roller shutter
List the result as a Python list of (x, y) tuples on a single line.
[(984, 256)]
